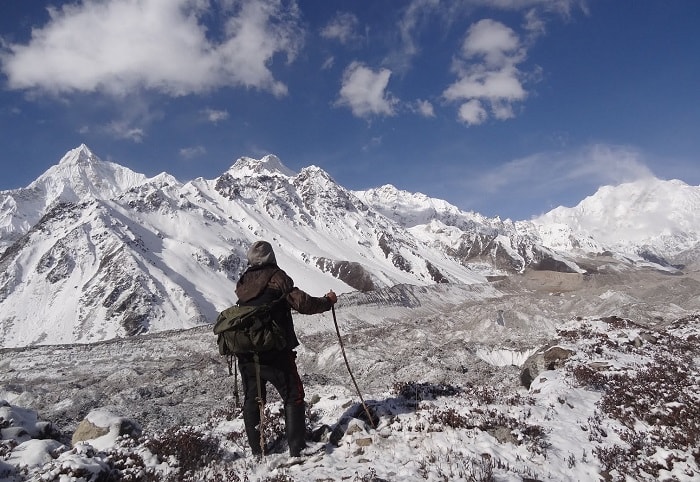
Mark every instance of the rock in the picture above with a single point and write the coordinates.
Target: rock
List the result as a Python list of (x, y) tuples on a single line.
[(347, 426), (355, 426), (549, 358), (102, 428), (21, 424), (599, 366), (503, 435), (364, 442), (88, 431)]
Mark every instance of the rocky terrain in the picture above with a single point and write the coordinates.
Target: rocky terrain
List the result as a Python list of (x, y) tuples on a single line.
[(560, 348), (538, 376)]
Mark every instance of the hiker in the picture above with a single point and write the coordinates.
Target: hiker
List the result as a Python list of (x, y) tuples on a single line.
[(262, 283)]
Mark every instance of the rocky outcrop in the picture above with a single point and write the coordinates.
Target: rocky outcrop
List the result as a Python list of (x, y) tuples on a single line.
[(548, 358), (351, 273), (99, 424)]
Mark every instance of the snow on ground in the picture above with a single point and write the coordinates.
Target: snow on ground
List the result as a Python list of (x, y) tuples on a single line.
[(623, 406)]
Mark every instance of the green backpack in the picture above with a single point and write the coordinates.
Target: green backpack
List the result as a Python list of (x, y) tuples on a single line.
[(248, 329)]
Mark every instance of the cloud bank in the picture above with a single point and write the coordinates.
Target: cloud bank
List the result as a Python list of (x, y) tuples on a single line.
[(596, 164), (114, 47)]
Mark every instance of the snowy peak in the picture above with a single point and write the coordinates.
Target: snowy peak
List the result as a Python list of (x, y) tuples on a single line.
[(664, 215), (323, 197), (409, 209), (315, 179), (80, 155), (81, 175), (269, 165), (413, 209)]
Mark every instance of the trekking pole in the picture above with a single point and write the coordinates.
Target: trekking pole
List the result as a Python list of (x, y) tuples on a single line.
[(233, 370), (342, 349), (261, 404)]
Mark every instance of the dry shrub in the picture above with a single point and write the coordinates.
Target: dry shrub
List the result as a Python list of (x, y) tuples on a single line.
[(660, 392), (192, 449), (414, 391), (451, 418)]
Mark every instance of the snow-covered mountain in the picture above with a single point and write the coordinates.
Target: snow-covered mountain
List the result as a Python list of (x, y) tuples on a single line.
[(79, 176), (478, 361), (468, 237), (92, 250), (650, 217)]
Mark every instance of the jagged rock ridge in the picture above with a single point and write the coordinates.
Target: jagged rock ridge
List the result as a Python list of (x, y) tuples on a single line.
[(92, 250)]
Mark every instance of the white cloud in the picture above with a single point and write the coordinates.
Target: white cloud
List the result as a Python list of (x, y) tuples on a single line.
[(117, 46), (472, 113), (502, 110), (409, 26), (123, 130), (492, 40), (192, 152), (610, 164), (545, 180), (593, 165), (562, 7), (215, 116), (418, 14), (494, 86), (373, 143), (343, 28), (488, 76), (364, 91), (534, 24), (135, 115), (424, 108)]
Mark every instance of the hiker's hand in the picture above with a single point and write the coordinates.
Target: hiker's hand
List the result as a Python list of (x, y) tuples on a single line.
[(332, 297)]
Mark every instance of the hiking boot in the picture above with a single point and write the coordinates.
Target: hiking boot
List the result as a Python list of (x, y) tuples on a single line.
[(295, 425)]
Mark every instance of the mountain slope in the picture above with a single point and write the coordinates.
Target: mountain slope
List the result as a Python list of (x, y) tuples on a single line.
[(92, 250), (454, 390), (468, 237), (79, 176), (121, 254), (646, 215)]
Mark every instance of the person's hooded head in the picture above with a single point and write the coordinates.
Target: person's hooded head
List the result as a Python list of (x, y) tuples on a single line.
[(260, 253)]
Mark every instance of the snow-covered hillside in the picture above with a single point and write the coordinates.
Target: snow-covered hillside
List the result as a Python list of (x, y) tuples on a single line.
[(549, 378), (486, 350), (79, 176), (662, 217), (114, 254), (92, 250)]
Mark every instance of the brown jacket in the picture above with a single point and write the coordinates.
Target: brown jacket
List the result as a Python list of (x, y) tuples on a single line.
[(267, 283)]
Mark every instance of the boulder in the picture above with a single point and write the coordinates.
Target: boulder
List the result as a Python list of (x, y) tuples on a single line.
[(548, 358), (101, 428)]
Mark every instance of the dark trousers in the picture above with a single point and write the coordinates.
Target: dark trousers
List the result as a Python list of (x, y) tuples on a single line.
[(280, 370)]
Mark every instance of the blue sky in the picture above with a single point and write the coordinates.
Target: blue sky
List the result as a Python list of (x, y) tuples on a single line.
[(503, 107)]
